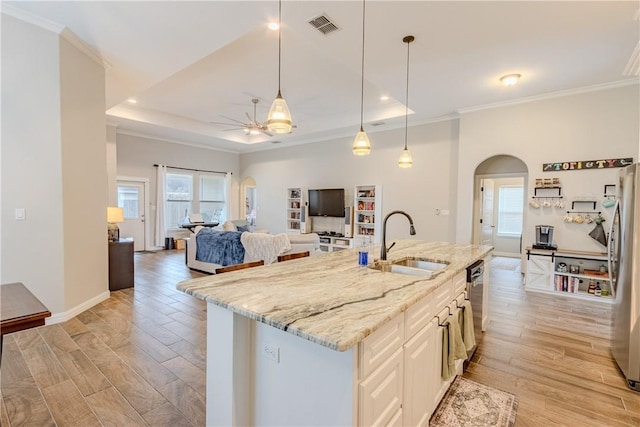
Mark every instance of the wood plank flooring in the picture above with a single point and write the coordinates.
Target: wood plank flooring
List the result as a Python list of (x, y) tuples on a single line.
[(139, 358)]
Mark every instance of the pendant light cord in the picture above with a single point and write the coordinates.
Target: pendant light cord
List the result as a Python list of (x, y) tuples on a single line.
[(279, 43), (406, 113), (362, 72)]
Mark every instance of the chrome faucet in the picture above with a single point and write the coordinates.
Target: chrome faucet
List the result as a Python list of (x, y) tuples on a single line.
[(384, 249)]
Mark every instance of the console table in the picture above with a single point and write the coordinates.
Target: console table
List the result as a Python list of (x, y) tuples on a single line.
[(120, 264), (20, 309)]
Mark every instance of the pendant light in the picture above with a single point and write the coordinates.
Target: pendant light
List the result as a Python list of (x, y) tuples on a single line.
[(361, 144), (279, 118), (405, 160)]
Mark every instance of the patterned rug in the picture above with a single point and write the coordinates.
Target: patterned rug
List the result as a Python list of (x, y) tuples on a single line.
[(504, 263), (468, 403)]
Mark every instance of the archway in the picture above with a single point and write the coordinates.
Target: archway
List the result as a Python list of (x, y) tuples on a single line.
[(248, 200), (500, 188)]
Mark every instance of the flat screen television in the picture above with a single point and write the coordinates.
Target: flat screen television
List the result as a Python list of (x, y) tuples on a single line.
[(326, 202)]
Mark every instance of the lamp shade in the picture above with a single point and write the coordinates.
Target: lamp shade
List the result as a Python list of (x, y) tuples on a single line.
[(405, 160), (279, 118), (115, 214), (361, 144)]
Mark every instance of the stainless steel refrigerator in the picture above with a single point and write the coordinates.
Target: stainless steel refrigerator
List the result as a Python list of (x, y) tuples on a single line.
[(624, 258)]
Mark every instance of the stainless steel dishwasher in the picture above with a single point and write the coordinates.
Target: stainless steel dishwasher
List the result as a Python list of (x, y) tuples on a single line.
[(475, 286)]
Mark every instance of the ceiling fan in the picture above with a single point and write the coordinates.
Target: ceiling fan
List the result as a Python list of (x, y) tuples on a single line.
[(253, 127)]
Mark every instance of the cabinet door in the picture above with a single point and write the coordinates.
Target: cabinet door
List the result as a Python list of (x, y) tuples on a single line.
[(440, 386), (539, 272), (380, 395), (419, 387)]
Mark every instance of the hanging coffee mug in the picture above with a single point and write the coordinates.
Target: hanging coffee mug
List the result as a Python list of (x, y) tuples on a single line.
[(534, 204), (608, 203)]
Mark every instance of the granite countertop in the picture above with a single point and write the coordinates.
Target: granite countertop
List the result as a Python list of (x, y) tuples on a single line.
[(328, 299)]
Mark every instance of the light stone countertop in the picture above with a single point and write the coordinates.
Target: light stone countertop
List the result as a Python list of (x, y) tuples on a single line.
[(328, 299)]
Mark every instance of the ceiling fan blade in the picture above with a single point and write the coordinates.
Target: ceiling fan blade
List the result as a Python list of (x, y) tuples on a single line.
[(234, 120), (233, 129), (266, 133), (249, 117), (224, 124)]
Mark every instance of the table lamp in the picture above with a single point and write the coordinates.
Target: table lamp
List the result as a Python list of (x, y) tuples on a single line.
[(114, 215)]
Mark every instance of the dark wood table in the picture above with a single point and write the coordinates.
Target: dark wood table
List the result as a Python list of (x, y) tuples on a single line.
[(190, 227), (121, 265), (20, 309)]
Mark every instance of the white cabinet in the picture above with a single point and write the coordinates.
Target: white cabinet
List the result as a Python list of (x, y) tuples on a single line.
[(367, 212), (572, 273), (413, 393), (334, 244), (380, 394), (295, 204), (419, 384), (539, 272)]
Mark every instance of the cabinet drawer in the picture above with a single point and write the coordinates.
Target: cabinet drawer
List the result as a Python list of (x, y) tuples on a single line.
[(380, 345), (380, 395), (459, 283), (418, 316), (442, 296)]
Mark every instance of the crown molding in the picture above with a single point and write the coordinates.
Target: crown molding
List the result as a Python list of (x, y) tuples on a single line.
[(29, 17), (172, 141), (551, 95), (54, 27), (83, 47), (633, 65)]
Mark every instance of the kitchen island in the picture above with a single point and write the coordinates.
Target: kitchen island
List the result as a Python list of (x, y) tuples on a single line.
[(321, 340)]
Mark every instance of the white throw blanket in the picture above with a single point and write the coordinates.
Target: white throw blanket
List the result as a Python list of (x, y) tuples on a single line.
[(262, 246)]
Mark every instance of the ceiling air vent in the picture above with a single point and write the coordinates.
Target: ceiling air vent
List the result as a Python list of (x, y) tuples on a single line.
[(323, 24)]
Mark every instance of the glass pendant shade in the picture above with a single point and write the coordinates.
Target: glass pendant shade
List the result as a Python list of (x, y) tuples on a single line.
[(361, 144), (279, 118), (405, 160)]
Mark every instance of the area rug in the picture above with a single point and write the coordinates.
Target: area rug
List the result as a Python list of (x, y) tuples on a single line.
[(468, 403), (504, 263)]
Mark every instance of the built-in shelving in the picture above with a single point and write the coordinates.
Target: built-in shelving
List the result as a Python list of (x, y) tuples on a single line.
[(367, 212), (295, 204)]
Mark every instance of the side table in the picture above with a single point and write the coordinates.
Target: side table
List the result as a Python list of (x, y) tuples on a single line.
[(120, 264)]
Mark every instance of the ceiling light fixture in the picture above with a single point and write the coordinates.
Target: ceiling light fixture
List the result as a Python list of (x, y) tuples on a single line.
[(510, 79), (279, 118), (384, 98), (361, 144), (273, 26), (405, 160), (132, 101)]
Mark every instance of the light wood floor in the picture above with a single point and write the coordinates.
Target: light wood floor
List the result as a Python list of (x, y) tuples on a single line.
[(139, 358)]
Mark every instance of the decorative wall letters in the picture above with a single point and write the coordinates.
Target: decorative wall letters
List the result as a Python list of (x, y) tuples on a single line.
[(586, 164)]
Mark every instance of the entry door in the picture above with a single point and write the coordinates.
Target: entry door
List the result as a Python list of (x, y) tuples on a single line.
[(131, 198), (488, 226)]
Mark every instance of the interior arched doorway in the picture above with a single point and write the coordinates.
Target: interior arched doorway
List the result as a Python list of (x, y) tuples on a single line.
[(499, 219), (248, 200)]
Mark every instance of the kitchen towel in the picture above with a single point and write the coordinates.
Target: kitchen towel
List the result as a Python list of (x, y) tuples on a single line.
[(465, 317), (452, 347)]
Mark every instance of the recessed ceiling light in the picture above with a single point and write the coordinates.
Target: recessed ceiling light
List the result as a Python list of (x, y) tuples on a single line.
[(384, 98), (132, 101), (273, 26), (510, 79)]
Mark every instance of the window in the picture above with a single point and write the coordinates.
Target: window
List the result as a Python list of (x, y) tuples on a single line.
[(510, 210), (179, 199), (181, 190), (212, 197)]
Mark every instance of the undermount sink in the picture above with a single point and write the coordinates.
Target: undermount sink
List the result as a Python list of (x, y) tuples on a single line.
[(421, 263), (412, 267)]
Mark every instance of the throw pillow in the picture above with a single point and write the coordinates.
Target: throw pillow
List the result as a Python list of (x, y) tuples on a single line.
[(229, 226), (243, 228)]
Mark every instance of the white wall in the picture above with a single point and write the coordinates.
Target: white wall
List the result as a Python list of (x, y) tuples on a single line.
[(136, 156), (419, 190), (54, 166), (594, 125), (112, 166), (84, 175)]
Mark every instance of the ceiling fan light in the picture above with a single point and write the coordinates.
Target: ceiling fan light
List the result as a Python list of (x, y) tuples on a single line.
[(279, 118), (361, 144), (405, 160)]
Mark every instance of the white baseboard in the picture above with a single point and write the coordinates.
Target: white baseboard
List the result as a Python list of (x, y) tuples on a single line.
[(69, 314)]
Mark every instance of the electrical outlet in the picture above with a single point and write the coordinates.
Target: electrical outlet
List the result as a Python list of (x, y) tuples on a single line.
[(271, 352)]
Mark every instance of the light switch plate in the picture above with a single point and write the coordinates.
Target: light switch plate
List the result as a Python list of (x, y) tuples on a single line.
[(20, 214)]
